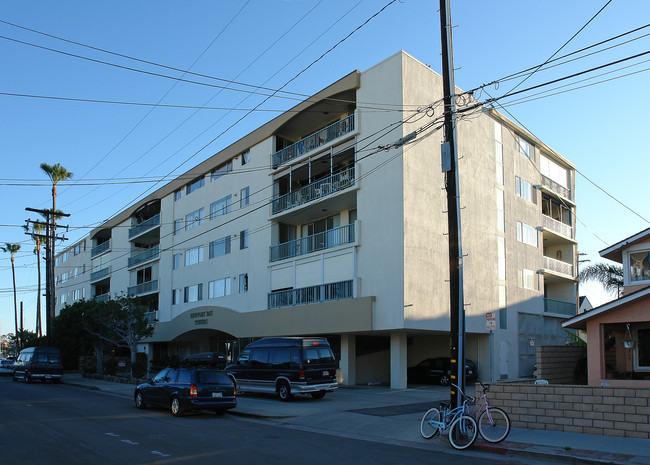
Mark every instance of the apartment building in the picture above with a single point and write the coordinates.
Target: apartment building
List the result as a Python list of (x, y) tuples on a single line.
[(317, 223)]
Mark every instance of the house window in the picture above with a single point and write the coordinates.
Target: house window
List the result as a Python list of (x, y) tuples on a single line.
[(526, 234), (221, 170), (524, 189), (639, 266), (524, 148), (177, 226), (556, 209), (245, 158), (176, 262), (193, 293), (193, 219), (220, 207), (194, 185), (243, 239), (193, 256), (219, 288), (177, 195), (220, 247), (243, 197), (243, 283), (143, 275), (527, 279)]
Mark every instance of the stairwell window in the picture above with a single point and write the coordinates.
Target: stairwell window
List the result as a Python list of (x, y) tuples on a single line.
[(177, 226), (243, 197), (176, 261), (243, 283), (243, 239)]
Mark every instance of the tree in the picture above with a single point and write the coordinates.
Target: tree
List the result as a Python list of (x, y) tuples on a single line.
[(122, 322), (12, 249), (36, 233), (610, 276), (73, 339), (56, 173)]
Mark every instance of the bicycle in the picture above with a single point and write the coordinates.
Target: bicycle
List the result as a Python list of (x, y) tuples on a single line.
[(463, 428), (493, 423)]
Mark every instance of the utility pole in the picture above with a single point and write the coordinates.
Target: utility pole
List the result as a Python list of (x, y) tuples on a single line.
[(450, 166), (50, 236)]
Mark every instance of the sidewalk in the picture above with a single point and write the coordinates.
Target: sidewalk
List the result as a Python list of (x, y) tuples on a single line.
[(393, 416)]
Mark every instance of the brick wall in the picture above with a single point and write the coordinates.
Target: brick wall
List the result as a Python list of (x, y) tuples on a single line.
[(557, 364), (611, 411)]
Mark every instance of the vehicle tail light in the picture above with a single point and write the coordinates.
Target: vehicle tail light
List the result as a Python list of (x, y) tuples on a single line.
[(302, 374), (193, 390), (32, 365)]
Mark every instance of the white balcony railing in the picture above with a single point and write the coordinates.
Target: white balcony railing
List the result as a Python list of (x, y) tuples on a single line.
[(557, 226), (144, 288), (311, 294), (557, 188), (321, 241), (144, 226), (141, 257), (101, 248), (558, 266), (100, 274)]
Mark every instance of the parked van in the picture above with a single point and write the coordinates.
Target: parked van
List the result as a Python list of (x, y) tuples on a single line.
[(286, 366), (42, 363)]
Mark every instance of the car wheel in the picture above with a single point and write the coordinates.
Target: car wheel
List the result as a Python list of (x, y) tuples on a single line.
[(177, 410), (444, 380), (284, 391), (318, 395), (15, 379), (28, 379), (139, 401)]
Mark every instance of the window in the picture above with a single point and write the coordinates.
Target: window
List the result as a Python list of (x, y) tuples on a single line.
[(243, 283), (76, 250), (498, 148), (63, 298), (243, 197), (193, 219), (75, 294), (553, 171), (527, 279), (524, 189), (243, 239), (143, 275), (220, 207), (556, 209), (639, 266), (643, 349), (501, 215), (194, 185), (501, 258), (76, 271), (193, 256), (177, 296), (526, 234), (524, 148), (503, 309), (221, 170), (218, 288), (220, 247), (177, 226), (176, 261), (65, 257), (193, 293), (177, 195), (245, 158)]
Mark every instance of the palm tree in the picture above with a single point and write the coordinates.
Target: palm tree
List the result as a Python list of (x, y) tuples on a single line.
[(610, 276), (56, 173), (36, 233), (12, 249)]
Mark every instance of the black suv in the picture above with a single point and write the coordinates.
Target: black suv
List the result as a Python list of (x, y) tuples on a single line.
[(186, 388)]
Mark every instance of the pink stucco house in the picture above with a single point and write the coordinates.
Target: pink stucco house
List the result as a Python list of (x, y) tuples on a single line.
[(618, 333)]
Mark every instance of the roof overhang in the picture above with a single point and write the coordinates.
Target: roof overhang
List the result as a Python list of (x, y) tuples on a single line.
[(580, 321), (615, 252)]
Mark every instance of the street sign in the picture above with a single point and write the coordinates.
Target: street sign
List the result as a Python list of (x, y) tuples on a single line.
[(491, 321)]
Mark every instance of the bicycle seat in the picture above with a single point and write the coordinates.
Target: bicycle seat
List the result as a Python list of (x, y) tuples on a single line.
[(443, 406)]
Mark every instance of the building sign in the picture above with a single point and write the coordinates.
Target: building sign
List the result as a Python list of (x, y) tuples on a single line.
[(491, 321), (200, 318)]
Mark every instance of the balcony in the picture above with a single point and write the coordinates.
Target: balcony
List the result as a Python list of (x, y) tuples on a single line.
[(560, 307), (101, 248), (142, 257), (321, 241), (100, 274), (144, 288), (558, 266), (311, 294), (557, 227), (151, 317), (144, 226), (313, 141), (316, 190), (557, 188), (102, 297)]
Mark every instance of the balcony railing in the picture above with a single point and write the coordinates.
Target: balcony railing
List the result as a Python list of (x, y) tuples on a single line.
[(149, 254), (315, 190), (311, 294), (102, 297), (558, 266), (314, 243), (560, 307), (313, 141), (151, 317), (557, 188), (101, 248), (144, 288), (100, 274), (144, 226), (557, 226)]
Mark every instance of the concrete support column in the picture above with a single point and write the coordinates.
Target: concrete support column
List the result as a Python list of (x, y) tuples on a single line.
[(348, 375), (398, 360)]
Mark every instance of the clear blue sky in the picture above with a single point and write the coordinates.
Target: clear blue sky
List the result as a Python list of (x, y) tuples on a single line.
[(600, 128)]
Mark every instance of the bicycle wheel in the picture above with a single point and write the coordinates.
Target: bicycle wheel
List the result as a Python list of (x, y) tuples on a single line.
[(462, 432), (429, 426), (494, 425)]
